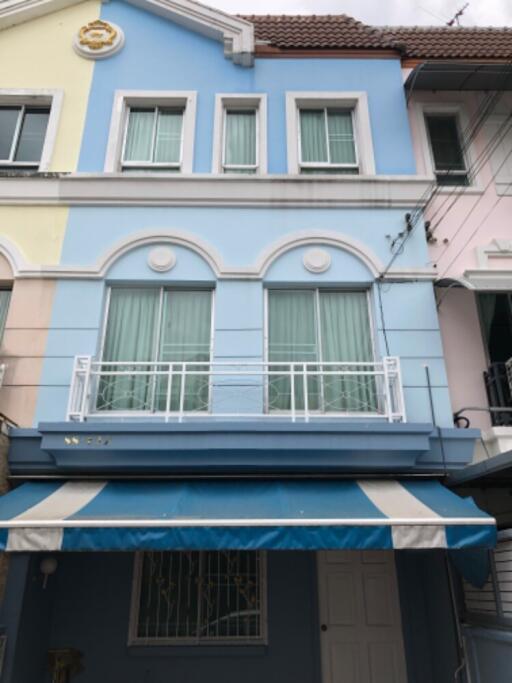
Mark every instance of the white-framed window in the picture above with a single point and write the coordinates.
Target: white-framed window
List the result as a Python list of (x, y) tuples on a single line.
[(152, 131), (28, 128), (240, 134), (156, 350), (493, 602), (446, 148), (322, 332), (329, 133), (197, 597)]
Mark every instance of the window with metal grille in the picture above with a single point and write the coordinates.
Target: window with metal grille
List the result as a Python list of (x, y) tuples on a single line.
[(493, 602), (446, 147), (198, 597)]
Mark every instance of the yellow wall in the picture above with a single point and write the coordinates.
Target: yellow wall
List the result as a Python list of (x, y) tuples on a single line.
[(37, 231), (39, 54)]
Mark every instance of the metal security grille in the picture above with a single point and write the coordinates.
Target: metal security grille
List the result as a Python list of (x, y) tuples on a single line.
[(494, 600), (199, 596)]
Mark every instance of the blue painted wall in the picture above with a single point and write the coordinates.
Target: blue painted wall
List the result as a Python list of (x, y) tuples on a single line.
[(159, 55)]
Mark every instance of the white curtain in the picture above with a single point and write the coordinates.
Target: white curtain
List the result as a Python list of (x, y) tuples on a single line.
[(139, 136), (240, 142), (168, 136)]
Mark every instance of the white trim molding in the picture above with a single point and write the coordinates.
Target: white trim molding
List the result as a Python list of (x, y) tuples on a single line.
[(236, 34), (494, 270), (172, 189), (211, 256), (124, 99), (38, 97), (257, 102), (356, 101)]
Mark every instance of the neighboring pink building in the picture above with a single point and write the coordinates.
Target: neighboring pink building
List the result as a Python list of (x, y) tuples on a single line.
[(461, 122)]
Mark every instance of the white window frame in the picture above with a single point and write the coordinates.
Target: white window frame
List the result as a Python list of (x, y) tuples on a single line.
[(457, 109), (124, 100), (357, 102), (223, 102), (135, 640), (35, 98)]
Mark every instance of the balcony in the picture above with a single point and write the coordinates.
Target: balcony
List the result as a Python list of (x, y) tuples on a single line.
[(184, 391), (498, 384)]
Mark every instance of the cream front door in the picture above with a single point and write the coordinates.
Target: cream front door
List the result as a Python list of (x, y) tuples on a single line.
[(360, 623)]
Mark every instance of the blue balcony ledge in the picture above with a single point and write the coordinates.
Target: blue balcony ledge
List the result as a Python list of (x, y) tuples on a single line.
[(106, 449)]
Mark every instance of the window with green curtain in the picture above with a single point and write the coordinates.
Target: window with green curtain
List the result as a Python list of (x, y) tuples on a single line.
[(153, 136), (240, 140), (320, 326), (151, 324), (327, 140), (5, 300), (449, 162)]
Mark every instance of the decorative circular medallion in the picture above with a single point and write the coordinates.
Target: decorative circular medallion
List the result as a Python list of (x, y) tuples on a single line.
[(161, 259), (98, 39), (317, 260)]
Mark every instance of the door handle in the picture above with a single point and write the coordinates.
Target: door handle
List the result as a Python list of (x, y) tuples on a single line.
[(323, 627)]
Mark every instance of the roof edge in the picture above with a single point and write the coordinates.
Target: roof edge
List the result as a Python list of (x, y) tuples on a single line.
[(236, 34)]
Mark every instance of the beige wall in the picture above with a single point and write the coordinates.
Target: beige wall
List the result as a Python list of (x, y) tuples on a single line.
[(23, 348)]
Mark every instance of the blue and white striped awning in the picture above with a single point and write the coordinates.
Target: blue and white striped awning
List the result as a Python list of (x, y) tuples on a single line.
[(240, 514)]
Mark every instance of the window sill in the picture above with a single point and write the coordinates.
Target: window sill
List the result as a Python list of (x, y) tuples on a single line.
[(204, 651)]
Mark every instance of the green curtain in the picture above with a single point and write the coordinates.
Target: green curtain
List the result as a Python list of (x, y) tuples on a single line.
[(312, 136), (139, 136), (341, 137), (240, 142), (5, 298), (346, 337), (168, 136), (186, 333), (292, 338), (130, 336)]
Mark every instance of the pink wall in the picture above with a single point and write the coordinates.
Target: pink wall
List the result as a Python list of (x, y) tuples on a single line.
[(466, 218), (464, 352)]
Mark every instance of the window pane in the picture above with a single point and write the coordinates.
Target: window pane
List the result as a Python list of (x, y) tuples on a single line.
[(168, 136), (240, 143), (200, 595), (33, 131), (5, 298), (341, 137), (139, 136), (346, 337), (292, 338), (185, 337), (444, 139), (130, 337), (312, 135), (8, 121)]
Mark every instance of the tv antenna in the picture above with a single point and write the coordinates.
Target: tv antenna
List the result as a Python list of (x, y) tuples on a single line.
[(457, 16)]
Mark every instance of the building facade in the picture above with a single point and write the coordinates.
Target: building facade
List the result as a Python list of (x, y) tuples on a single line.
[(223, 353)]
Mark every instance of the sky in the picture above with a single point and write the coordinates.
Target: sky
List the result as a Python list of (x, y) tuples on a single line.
[(390, 12)]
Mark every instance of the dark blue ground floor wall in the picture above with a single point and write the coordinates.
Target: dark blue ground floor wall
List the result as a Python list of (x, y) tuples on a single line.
[(86, 606)]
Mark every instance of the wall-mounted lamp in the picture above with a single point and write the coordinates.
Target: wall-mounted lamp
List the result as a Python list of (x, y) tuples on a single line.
[(48, 567)]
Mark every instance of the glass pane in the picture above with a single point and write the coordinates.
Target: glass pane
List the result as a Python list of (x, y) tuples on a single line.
[(5, 298), (130, 338), (341, 137), (444, 139), (240, 143), (168, 136), (312, 136), (185, 338), (139, 136), (346, 338), (292, 338), (33, 132), (8, 121)]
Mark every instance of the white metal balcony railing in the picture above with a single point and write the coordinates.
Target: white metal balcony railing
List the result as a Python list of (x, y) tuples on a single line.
[(182, 390)]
